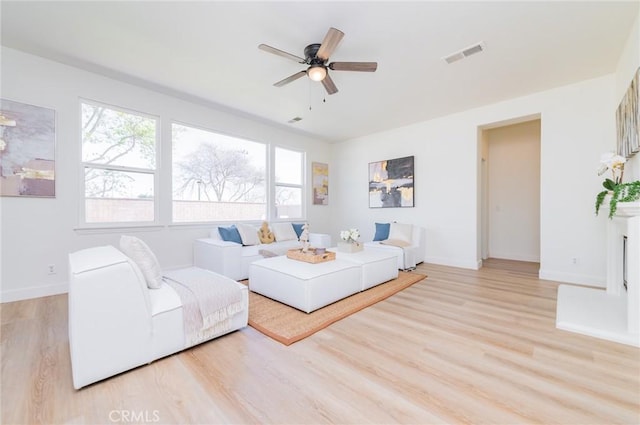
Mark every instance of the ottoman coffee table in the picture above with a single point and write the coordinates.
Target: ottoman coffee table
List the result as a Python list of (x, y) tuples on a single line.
[(303, 285), (377, 266)]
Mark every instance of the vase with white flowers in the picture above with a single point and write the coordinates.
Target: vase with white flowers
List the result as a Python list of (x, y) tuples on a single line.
[(614, 187), (350, 241)]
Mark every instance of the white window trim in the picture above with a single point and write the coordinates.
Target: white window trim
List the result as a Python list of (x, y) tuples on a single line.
[(302, 186), (118, 225), (268, 178)]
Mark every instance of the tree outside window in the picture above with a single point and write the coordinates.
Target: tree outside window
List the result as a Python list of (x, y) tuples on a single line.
[(289, 179), (217, 177), (119, 165)]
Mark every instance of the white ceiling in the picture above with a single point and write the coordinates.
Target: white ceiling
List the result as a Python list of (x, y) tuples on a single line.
[(208, 51)]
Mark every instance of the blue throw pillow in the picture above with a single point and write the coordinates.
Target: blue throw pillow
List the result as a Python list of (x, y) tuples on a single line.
[(298, 228), (382, 231), (230, 234)]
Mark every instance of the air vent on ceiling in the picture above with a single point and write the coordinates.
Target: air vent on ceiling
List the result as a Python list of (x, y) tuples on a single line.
[(466, 52), (294, 120)]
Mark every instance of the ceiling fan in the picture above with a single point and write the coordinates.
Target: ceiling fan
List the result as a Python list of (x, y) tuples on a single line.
[(317, 56)]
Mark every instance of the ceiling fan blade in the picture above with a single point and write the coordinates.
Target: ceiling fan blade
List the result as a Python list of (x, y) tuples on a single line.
[(290, 78), (329, 43), (329, 85), (281, 53), (354, 66)]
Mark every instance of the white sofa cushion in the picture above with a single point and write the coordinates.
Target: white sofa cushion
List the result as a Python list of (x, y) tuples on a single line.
[(146, 260), (248, 234), (284, 232), (401, 232)]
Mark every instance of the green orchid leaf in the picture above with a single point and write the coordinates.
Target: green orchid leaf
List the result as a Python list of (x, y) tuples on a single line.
[(609, 184)]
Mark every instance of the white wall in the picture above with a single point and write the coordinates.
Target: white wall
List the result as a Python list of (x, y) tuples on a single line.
[(514, 191), (577, 126), (39, 232)]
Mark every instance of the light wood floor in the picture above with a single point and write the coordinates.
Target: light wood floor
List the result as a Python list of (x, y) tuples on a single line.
[(460, 347)]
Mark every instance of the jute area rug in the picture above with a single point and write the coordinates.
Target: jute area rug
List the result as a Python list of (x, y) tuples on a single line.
[(288, 325)]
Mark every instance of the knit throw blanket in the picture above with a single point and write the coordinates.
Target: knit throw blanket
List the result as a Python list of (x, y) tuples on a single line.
[(208, 302)]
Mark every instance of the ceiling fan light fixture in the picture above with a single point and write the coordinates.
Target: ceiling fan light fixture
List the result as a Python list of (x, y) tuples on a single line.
[(317, 72)]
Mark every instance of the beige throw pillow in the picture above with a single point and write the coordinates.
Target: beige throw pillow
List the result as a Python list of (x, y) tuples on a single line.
[(146, 260)]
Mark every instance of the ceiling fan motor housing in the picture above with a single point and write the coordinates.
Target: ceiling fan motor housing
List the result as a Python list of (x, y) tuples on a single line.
[(310, 53)]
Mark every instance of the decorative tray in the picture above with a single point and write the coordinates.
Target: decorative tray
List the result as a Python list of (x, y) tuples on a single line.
[(310, 256)]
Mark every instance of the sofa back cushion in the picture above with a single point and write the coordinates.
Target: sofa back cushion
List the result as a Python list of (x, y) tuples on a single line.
[(215, 234), (401, 232), (283, 232), (146, 260)]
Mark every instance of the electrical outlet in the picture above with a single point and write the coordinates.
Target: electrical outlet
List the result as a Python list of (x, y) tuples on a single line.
[(51, 269), (574, 260)]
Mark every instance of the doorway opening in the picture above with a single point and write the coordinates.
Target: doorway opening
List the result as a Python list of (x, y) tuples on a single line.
[(509, 191)]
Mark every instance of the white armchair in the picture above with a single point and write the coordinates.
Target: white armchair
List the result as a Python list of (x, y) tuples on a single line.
[(407, 241), (117, 323)]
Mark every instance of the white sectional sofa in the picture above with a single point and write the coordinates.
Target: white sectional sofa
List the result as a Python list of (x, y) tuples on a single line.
[(232, 259), (117, 323), (407, 241)]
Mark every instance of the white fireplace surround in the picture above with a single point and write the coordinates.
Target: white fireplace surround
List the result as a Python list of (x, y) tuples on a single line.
[(613, 314)]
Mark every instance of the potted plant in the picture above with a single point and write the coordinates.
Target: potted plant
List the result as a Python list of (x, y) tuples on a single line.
[(614, 187)]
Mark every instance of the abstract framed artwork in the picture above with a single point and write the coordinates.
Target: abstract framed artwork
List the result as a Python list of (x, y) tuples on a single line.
[(628, 120), (320, 183), (391, 183), (27, 150)]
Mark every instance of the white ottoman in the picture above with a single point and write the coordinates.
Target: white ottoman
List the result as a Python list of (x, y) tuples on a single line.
[(377, 266), (302, 285)]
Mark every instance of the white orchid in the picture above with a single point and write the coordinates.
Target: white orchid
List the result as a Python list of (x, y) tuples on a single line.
[(613, 162), (350, 235)]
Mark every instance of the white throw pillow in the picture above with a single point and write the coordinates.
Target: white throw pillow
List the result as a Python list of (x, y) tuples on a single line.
[(284, 232), (140, 253), (401, 232), (248, 234)]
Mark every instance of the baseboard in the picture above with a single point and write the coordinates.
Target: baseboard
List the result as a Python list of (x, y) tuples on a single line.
[(515, 257), (443, 261), (33, 292), (45, 290), (575, 278)]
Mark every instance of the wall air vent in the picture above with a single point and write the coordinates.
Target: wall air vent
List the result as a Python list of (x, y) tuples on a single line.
[(294, 120), (466, 52)]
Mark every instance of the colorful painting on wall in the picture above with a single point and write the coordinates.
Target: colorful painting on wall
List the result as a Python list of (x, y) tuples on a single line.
[(27, 150), (628, 120), (391, 183), (320, 179)]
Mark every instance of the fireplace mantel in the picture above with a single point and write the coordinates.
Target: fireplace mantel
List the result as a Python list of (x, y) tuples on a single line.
[(614, 313)]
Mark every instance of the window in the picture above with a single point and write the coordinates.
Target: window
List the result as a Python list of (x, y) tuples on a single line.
[(119, 165), (289, 178), (217, 177)]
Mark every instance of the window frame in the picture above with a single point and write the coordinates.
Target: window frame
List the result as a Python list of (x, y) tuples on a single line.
[(156, 171), (273, 212), (267, 176)]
